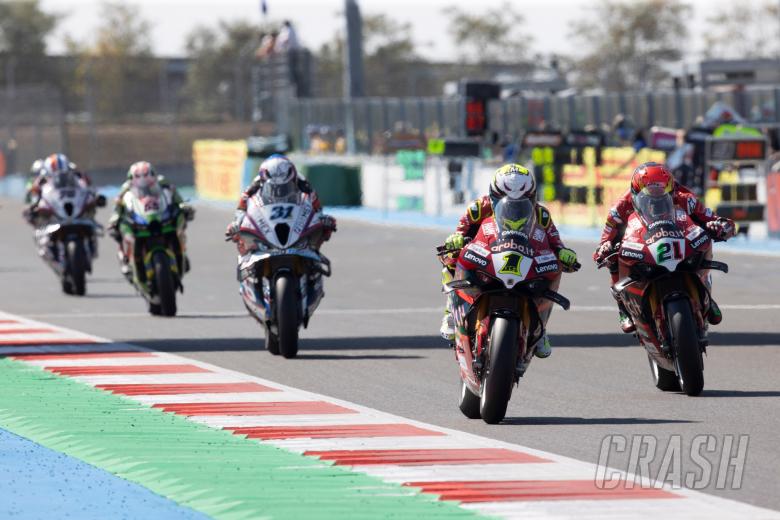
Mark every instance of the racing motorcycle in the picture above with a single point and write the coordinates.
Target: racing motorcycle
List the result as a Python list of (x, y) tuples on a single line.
[(67, 233), (502, 293), (279, 268), (664, 259), (152, 229)]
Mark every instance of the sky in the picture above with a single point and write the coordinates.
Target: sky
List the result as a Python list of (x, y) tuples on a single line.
[(547, 21)]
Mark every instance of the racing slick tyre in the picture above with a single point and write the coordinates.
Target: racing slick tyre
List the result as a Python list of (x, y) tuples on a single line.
[(166, 287), (685, 342), (469, 402), (287, 314), (665, 380), (76, 268), (271, 342), (499, 377)]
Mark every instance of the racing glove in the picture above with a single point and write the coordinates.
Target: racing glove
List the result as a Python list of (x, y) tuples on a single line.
[(454, 241), (722, 229), (328, 226), (189, 212), (602, 251), (567, 257)]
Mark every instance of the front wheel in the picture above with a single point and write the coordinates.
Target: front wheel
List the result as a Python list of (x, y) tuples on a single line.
[(287, 314), (166, 286), (665, 380), (685, 341), (498, 381), (76, 267), (469, 402)]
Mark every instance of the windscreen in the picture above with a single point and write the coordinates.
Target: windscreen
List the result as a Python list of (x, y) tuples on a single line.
[(514, 217), (654, 207), (147, 191), (276, 193)]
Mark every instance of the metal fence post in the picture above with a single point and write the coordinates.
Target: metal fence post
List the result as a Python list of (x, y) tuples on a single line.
[(650, 110), (572, 112), (596, 100)]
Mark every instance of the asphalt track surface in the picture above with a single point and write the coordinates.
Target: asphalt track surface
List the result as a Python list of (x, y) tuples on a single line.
[(374, 342)]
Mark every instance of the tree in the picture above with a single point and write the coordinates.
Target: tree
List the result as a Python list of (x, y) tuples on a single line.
[(220, 67), (743, 30), (494, 36), (391, 63), (117, 73), (23, 31), (626, 43)]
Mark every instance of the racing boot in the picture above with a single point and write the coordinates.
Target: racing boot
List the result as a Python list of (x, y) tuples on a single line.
[(626, 323), (447, 329), (714, 316), (543, 349)]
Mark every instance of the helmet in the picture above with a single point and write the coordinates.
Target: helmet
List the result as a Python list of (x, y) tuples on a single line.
[(37, 167), (279, 176), (514, 181), (142, 175), (56, 163), (653, 176)]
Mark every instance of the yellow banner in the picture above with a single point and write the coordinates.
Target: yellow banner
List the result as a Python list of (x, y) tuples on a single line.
[(219, 166)]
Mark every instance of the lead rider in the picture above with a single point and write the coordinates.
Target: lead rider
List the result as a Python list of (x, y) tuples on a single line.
[(513, 181)]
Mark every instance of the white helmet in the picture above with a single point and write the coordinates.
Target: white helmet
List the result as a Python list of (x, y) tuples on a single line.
[(514, 181)]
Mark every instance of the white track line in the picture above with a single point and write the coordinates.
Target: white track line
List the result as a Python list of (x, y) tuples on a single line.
[(688, 504)]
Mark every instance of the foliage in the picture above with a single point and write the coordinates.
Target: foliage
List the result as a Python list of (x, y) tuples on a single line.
[(743, 30), (23, 31), (626, 44), (494, 36), (115, 71)]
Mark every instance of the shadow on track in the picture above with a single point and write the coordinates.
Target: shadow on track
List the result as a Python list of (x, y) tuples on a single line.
[(568, 421), (740, 393), (305, 344), (618, 339)]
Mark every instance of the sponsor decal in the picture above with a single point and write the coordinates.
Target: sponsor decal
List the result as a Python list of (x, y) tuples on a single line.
[(615, 216), (538, 235), (303, 219), (627, 253), (512, 246), (546, 258), (660, 223), (694, 232), (708, 212), (663, 233), (546, 268), (478, 249), (512, 264), (633, 245), (489, 228), (474, 259), (509, 234), (704, 238), (691, 205), (681, 215)]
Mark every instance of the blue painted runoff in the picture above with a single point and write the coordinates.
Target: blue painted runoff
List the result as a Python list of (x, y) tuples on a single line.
[(41, 483)]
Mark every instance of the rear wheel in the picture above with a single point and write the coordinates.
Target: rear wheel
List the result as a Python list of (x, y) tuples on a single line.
[(76, 268), (663, 379), (287, 314), (166, 288), (469, 402), (685, 341), (502, 357)]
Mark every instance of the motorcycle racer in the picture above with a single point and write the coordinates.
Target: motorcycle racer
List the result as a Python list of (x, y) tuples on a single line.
[(285, 180), (646, 175), (142, 176), (514, 181), (43, 170)]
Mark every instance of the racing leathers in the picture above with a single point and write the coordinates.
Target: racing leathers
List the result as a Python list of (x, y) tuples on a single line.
[(119, 212), (469, 225), (615, 227)]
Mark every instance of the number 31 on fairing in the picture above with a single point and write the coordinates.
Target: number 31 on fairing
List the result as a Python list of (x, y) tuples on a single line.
[(668, 252)]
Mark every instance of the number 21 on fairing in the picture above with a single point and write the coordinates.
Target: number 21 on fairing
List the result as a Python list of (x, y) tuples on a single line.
[(669, 251)]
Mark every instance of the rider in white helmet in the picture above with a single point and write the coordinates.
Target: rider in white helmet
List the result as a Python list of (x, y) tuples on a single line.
[(514, 181)]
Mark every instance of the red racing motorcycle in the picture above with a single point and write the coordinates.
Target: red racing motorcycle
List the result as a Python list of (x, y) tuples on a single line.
[(501, 296), (664, 260)]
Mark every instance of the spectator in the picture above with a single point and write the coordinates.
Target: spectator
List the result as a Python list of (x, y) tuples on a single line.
[(287, 39), (267, 44)]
